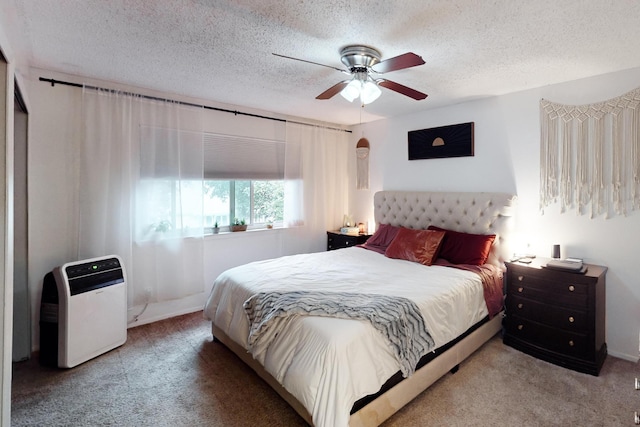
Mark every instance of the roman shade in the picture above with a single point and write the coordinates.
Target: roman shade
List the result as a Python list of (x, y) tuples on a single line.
[(165, 153), (236, 157)]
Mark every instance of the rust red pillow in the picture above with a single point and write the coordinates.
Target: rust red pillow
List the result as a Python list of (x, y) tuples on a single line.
[(416, 245), (382, 238), (464, 248)]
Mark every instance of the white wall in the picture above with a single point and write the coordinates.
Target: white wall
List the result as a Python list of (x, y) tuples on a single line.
[(53, 182), (507, 140), (506, 159)]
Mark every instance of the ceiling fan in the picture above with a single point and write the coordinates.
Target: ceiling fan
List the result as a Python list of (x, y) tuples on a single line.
[(362, 62)]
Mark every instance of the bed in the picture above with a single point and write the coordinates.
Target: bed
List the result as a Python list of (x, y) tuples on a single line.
[(348, 337)]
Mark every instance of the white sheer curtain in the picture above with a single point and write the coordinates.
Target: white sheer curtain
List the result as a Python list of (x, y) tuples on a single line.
[(316, 183), (140, 192), (105, 184)]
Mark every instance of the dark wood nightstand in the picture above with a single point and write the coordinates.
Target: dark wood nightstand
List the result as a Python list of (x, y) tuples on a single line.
[(557, 316), (335, 240)]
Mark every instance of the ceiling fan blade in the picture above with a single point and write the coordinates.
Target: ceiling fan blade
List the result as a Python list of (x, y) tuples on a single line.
[(311, 62), (400, 62), (404, 90), (333, 90)]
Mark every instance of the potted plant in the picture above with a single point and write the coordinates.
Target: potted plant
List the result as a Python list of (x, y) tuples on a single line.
[(238, 225), (216, 229)]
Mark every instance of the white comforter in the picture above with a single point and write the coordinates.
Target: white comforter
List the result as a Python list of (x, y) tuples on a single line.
[(328, 363)]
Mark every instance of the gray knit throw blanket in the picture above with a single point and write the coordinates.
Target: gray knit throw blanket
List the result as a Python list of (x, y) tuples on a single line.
[(397, 319)]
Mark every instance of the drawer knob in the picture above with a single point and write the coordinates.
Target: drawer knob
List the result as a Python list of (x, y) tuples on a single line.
[(571, 343), (520, 289), (571, 319), (572, 288), (520, 305), (520, 278), (520, 327)]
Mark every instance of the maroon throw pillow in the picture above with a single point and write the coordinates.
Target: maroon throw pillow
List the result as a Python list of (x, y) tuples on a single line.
[(381, 239), (464, 248), (416, 245)]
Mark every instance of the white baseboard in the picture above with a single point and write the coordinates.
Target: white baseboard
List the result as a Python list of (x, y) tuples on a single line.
[(623, 356), (165, 310)]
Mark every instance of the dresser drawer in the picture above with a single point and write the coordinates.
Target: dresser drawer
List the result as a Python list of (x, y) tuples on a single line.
[(536, 288), (565, 342), (558, 317), (340, 241)]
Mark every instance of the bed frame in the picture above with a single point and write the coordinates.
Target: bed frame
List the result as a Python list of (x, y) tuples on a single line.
[(480, 213)]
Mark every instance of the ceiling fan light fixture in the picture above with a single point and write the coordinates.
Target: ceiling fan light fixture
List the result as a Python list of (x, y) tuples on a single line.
[(369, 92), (352, 90), (362, 87)]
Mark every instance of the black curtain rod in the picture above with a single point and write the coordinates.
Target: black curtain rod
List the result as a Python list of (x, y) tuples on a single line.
[(206, 107)]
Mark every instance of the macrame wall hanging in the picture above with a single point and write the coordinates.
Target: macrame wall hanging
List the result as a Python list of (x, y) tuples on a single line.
[(590, 155), (362, 158)]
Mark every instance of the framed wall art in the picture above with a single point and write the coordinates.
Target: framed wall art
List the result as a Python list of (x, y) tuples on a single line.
[(441, 142)]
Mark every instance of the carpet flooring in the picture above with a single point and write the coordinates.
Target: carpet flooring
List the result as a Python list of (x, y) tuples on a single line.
[(171, 373)]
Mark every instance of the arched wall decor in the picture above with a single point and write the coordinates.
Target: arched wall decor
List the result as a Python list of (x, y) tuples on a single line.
[(590, 155), (362, 155)]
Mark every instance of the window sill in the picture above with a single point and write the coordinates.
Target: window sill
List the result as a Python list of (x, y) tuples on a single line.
[(227, 234)]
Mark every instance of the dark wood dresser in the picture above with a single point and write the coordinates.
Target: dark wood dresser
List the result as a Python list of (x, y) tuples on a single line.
[(336, 240), (557, 316)]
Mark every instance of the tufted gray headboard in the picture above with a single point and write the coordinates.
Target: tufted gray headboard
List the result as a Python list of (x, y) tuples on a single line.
[(478, 213)]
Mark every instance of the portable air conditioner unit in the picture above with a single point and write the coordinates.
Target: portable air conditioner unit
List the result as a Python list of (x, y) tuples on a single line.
[(83, 312)]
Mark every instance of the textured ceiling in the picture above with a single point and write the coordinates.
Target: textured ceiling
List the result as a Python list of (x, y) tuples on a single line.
[(221, 50)]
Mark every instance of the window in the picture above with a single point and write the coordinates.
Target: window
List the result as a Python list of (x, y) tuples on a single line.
[(169, 208), (243, 179), (191, 180), (257, 202)]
